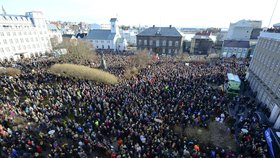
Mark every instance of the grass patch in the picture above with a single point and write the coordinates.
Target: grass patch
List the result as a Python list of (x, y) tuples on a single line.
[(83, 72), (10, 71)]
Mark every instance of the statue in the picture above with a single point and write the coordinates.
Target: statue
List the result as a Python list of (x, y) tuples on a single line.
[(103, 62)]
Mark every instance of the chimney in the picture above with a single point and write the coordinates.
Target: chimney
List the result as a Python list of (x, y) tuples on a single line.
[(153, 26), (170, 26)]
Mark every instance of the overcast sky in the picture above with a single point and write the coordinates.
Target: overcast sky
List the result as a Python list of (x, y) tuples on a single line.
[(179, 13)]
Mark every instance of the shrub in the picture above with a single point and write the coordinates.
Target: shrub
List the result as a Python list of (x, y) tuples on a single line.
[(78, 51), (10, 71), (141, 59), (130, 71), (83, 72)]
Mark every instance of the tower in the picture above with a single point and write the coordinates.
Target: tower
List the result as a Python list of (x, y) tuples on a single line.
[(114, 25)]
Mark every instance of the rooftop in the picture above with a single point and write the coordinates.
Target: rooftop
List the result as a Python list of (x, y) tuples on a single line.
[(97, 34), (160, 31), (235, 43)]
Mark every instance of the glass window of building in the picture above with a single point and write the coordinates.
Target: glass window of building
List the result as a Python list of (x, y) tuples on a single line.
[(145, 42), (151, 42), (157, 43), (170, 43), (164, 43), (176, 43), (140, 42)]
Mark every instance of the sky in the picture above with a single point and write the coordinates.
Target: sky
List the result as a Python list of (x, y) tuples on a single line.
[(178, 13)]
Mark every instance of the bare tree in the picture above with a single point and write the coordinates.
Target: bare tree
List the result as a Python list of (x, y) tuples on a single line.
[(79, 51)]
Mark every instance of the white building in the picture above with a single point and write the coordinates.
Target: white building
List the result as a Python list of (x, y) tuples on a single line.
[(264, 73), (130, 36), (23, 35), (107, 39), (242, 29), (55, 34)]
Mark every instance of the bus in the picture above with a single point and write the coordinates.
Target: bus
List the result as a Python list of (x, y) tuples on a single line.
[(232, 86)]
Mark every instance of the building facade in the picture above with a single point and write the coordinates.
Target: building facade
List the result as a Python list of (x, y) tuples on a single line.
[(161, 40), (23, 35), (102, 39), (54, 34), (201, 43), (264, 73), (243, 29), (239, 49)]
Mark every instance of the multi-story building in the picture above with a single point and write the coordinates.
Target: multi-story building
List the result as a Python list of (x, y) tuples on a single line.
[(241, 36), (264, 73), (243, 29), (162, 40), (239, 49), (201, 43), (23, 35), (54, 34)]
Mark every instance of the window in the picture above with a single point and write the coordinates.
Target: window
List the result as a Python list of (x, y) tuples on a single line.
[(16, 40), (26, 39), (139, 42), (108, 41), (240, 50), (102, 41), (170, 43), (96, 41), (164, 43), (157, 43), (163, 50), (225, 49), (5, 41), (169, 51), (2, 33), (145, 42), (14, 48), (11, 41), (8, 34), (176, 43), (24, 47), (151, 42)]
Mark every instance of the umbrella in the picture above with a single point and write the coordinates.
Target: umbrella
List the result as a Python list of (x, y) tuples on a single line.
[(51, 132), (244, 130)]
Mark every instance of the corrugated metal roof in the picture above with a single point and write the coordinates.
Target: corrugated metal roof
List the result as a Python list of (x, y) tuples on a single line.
[(100, 35), (235, 43), (160, 31)]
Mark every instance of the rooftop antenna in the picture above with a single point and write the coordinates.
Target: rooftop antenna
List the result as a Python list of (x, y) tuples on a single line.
[(3, 10), (272, 13)]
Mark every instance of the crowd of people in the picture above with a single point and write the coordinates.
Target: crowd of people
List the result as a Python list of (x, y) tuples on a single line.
[(43, 115)]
